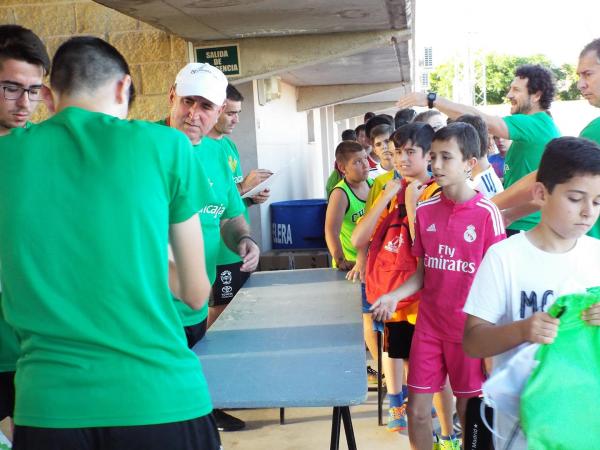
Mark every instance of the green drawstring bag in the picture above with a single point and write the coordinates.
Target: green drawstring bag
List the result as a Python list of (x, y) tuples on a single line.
[(559, 405)]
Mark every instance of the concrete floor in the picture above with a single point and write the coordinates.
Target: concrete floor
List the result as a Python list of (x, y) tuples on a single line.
[(310, 428)]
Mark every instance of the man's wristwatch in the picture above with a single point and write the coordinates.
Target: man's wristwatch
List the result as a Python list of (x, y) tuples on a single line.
[(430, 99)]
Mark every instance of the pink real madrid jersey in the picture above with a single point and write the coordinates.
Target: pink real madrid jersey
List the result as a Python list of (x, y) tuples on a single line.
[(452, 239)]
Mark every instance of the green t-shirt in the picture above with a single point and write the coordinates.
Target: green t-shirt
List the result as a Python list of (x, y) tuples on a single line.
[(9, 345), (226, 204), (354, 211), (530, 133), (232, 157), (86, 201), (592, 132)]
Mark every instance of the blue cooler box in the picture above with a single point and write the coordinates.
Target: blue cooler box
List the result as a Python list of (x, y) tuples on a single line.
[(298, 224)]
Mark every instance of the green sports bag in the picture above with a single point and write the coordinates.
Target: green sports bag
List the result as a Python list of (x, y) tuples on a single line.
[(560, 402)]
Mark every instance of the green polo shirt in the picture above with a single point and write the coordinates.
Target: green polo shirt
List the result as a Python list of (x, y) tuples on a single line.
[(86, 201), (530, 133)]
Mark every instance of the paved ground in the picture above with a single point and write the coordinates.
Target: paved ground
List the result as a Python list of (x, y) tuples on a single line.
[(310, 428)]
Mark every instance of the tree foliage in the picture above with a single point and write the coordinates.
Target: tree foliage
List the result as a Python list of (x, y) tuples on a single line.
[(500, 71)]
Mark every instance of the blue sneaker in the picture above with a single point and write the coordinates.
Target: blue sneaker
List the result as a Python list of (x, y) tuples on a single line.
[(397, 419)]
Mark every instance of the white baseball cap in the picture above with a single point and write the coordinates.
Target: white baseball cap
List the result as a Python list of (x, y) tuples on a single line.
[(203, 80)]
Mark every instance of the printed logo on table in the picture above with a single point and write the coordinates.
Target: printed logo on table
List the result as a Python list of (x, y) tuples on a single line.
[(470, 234)]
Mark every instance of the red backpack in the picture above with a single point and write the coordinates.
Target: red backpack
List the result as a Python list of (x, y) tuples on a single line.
[(389, 261)]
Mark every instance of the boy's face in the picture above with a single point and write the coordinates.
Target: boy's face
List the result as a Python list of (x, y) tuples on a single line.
[(383, 147), (572, 208), (447, 163), (409, 160), (356, 167), (362, 139)]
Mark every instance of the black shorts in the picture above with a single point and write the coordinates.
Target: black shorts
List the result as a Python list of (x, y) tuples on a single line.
[(194, 333), (7, 394), (397, 337), (195, 434), (229, 281)]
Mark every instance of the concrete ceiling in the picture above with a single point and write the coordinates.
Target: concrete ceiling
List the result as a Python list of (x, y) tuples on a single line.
[(209, 20)]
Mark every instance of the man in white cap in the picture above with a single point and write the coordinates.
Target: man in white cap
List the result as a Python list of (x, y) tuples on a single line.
[(197, 99)]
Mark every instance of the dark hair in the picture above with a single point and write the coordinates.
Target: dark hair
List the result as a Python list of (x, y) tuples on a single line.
[(348, 135), (345, 149), (369, 115), (567, 157), (426, 115), (593, 46), (404, 116), (538, 79), (22, 44), (418, 133), (482, 130), (360, 128), (381, 129), (84, 63), (465, 136), (233, 94), (378, 120)]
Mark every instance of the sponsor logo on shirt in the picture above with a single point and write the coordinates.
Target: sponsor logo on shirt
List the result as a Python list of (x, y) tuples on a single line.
[(238, 179), (232, 163), (357, 215), (394, 245), (213, 210), (431, 228), (470, 234), (445, 261), (226, 277)]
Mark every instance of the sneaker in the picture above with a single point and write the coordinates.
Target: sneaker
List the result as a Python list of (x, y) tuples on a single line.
[(4, 442), (371, 375), (450, 444), (397, 419), (436, 442), (226, 422)]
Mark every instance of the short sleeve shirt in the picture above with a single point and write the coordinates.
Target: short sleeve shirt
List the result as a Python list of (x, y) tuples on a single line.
[(232, 157), (451, 238), (530, 133), (86, 201), (592, 132)]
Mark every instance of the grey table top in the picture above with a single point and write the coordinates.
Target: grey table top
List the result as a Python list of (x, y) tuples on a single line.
[(288, 338)]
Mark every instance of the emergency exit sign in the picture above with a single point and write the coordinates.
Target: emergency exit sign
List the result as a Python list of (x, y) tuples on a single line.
[(226, 59)]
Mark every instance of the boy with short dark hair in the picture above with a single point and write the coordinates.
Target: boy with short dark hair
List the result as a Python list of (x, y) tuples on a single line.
[(521, 277), (380, 137), (452, 233), (347, 203), (483, 176)]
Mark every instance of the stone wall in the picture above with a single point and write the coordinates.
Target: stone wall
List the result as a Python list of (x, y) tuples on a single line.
[(154, 56)]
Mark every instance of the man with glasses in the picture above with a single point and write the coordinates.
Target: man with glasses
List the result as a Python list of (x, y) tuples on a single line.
[(23, 64)]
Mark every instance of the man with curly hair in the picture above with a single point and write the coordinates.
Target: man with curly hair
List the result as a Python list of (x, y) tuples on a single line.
[(530, 125)]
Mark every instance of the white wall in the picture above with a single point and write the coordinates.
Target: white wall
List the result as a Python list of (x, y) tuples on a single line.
[(282, 146)]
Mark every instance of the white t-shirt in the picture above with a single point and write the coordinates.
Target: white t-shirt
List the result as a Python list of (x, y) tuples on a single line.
[(487, 182), (516, 279)]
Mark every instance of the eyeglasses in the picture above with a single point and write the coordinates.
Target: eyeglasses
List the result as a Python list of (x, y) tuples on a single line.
[(12, 92)]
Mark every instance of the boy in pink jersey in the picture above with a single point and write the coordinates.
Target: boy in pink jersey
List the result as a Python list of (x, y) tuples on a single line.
[(452, 233)]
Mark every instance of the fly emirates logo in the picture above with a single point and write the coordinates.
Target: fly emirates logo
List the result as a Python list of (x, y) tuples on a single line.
[(445, 261)]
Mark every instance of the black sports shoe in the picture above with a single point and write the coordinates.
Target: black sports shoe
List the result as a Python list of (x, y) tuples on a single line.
[(226, 422)]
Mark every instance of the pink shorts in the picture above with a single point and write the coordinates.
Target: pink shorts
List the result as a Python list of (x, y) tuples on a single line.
[(432, 359)]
